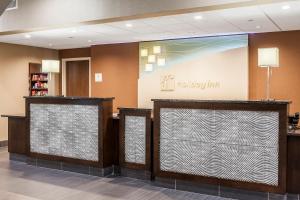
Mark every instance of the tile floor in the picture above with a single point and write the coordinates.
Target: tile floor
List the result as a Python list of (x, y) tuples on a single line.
[(19, 181)]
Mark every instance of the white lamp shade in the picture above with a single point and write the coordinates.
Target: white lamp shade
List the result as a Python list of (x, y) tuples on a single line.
[(268, 57), (50, 66)]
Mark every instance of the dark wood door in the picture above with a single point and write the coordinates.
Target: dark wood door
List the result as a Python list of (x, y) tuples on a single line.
[(77, 78)]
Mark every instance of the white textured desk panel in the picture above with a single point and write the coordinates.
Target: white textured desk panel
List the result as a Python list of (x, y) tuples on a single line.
[(135, 139), (64, 130), (234, 145)]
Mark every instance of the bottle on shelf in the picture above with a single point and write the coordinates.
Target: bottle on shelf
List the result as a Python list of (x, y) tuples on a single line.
[(39, 84)]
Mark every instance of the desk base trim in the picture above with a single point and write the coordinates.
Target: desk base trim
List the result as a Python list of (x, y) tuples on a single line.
[(135, 173), (4, 143), (63, 166), (220, 190)]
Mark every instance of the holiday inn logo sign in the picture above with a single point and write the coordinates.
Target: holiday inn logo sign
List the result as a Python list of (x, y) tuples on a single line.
[(168, 83)]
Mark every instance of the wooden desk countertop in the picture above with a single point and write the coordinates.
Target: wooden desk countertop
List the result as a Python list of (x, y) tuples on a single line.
[(295, 133), (14, 116)]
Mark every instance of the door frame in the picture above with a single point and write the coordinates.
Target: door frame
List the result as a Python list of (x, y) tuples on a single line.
[(63, 75)]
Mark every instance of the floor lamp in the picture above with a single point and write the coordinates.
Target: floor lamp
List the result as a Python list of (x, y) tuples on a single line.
[(51, 67), (268, 58)]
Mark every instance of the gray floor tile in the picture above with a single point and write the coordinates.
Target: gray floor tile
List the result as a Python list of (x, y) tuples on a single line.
[(273, 196), (293, 197), (20, 181), (240, 194)]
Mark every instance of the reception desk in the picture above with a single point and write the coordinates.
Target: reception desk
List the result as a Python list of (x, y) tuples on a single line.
[(240, 144), (70, 131), (221, 148)]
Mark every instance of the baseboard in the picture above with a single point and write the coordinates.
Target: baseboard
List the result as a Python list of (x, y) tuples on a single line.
[(4, 143)]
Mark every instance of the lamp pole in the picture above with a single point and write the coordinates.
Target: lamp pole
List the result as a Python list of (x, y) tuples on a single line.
[(268, 83), (268, 57)]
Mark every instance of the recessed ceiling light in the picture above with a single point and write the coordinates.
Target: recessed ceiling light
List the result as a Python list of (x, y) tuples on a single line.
[(27, 36), (74, 31), (285, 7), (89, 41), (198, 17), (128, 25), (258, 27)]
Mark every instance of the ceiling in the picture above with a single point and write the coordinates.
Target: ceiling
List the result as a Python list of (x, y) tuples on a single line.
[(282, 16), (3, 5)]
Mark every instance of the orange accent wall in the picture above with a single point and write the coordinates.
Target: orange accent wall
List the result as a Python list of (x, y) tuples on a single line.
[(285, 80), (119, 65)]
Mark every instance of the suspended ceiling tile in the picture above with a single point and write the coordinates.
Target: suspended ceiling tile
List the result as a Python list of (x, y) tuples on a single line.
[(286, 19)]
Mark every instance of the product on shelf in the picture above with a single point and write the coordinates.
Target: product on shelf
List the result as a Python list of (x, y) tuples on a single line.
[(39, 77), (39, 84)]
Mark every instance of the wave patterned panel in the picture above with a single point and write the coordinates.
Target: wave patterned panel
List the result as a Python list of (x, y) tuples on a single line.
[(64, 130), (135, 139), (227, 144)]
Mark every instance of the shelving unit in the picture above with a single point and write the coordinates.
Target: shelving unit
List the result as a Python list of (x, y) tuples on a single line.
[(38, 84)]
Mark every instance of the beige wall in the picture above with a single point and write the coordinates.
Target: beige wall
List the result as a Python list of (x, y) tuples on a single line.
[(14, 60)]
